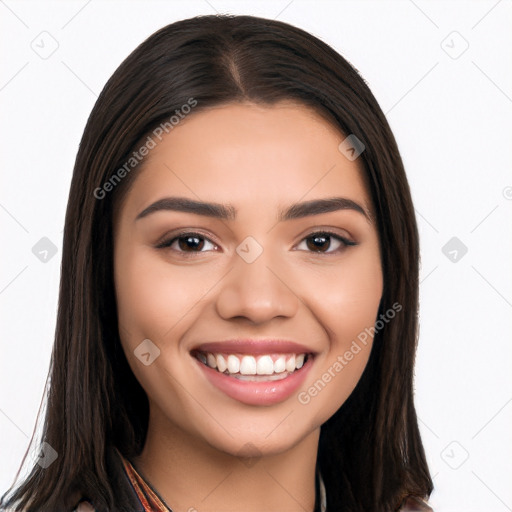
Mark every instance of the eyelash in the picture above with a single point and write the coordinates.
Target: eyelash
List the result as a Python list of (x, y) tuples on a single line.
[(166, 244)]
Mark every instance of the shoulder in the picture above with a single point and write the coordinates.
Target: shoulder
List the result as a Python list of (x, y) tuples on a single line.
[(413, 504)]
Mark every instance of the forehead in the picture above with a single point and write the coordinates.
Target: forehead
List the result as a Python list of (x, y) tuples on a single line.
[(252, 155)]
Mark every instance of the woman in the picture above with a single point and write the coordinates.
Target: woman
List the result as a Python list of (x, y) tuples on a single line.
[(238, 307)]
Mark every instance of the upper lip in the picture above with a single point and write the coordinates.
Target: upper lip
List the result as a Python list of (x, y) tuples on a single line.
[(253, 346)]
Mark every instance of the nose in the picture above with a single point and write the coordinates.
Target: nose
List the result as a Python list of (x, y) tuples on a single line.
[(258, 291)]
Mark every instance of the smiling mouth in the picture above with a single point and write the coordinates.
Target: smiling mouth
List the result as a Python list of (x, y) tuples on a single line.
[(253, 368)]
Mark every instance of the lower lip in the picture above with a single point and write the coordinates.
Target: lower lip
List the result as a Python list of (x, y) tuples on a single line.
[(257, 393)]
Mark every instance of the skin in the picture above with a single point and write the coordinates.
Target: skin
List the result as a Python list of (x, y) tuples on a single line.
[(259, 159)]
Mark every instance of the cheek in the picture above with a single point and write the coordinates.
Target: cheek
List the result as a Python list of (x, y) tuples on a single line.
[(346, 302), (152, 303), (345, 297), (151, 296), (353, 300)]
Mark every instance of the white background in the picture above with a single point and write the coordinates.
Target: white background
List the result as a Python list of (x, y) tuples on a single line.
[(452, 119)]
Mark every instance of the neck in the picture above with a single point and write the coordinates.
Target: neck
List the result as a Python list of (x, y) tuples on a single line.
[(191, 475)]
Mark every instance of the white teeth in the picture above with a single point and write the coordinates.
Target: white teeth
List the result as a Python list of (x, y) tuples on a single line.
[(265, 366), (261, 378), (280, 364), (248, 365), (211, 361), (290, 364), (233, 364), (221, 363)]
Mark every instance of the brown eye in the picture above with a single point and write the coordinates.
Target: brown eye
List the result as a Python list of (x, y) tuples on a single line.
[(321, 242), (190, 242), (187, 243)]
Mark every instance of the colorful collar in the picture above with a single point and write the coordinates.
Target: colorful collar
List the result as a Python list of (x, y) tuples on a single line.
[(152, 502)]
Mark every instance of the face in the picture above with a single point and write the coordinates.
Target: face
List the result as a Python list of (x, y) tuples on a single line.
[(239, 319)]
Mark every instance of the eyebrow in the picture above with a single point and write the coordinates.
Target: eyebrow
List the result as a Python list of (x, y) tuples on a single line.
[(229, 212)]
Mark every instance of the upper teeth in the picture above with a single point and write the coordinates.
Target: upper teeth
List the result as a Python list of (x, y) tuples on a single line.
[(251, 365)]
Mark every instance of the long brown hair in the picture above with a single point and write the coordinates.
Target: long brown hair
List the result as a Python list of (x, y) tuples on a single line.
[(370, 452)]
